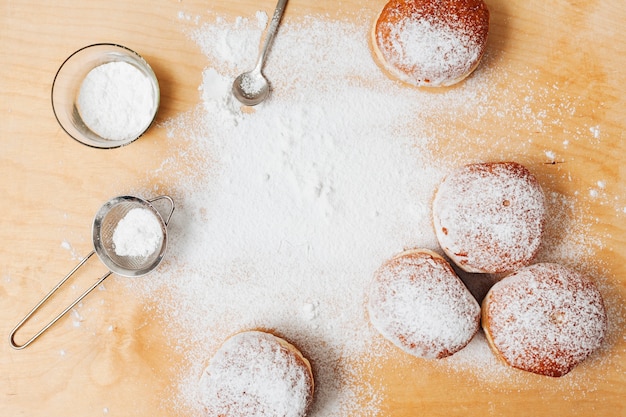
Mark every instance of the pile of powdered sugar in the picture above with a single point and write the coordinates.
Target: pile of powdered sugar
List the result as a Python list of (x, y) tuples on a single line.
[(298, 203), (285, 212), (138, 233), (116, 101)]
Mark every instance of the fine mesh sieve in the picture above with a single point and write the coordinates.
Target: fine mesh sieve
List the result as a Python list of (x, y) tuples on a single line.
[(104, 224)]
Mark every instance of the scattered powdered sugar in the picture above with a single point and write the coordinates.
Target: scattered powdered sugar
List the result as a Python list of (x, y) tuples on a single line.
[(284, 213), (550, 155), (294, 206), (420, 305), (138, 233), (68, 246), (253, 374), (116, 101)]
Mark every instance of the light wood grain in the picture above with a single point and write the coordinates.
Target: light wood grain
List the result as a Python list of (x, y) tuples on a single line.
[(117, 361)]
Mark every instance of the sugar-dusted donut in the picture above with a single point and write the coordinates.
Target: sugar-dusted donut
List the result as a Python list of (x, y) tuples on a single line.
[(431, 43), (489, 217), (257, 374), (417, 302), (544, 318)]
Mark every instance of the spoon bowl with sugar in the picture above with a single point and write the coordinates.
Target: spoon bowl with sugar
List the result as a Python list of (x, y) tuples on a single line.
[(251, 87)]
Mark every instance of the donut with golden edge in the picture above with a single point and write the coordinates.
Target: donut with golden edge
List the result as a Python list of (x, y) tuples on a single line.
[(431, 43)]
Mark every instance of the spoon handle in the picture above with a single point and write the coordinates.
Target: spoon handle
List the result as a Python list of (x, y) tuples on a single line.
[(271, 32)]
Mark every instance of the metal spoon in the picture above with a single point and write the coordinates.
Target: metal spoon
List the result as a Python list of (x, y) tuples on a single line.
[(251, 87)]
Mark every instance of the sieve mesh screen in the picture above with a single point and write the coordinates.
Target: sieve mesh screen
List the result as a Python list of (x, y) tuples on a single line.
[(110, 220)]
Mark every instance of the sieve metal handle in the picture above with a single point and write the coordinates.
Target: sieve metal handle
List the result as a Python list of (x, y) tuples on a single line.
[(14, 345), (171, 203)]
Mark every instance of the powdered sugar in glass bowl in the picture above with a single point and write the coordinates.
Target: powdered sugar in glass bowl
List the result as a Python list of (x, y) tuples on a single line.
[(105, 95)]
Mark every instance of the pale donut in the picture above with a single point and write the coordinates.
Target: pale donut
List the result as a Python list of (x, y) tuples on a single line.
[(544, 319), (417, 302), (431, 43), (257, 374), (489, 217)]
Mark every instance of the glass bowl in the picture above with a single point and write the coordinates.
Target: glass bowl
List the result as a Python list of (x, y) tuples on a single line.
[(69, 79)]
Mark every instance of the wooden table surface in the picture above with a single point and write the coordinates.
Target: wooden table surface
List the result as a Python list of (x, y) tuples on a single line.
[(50, 187)]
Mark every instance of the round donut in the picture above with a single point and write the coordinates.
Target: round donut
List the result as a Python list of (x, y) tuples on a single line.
[(257, 374), (417, 302), (489, 217), (544, 318), (431, 43)]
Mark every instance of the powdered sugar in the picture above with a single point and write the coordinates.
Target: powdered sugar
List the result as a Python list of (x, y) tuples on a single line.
[(138, 233), (418, 303), (292, 207), (251, 85), (116, 101), (254, 375)]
